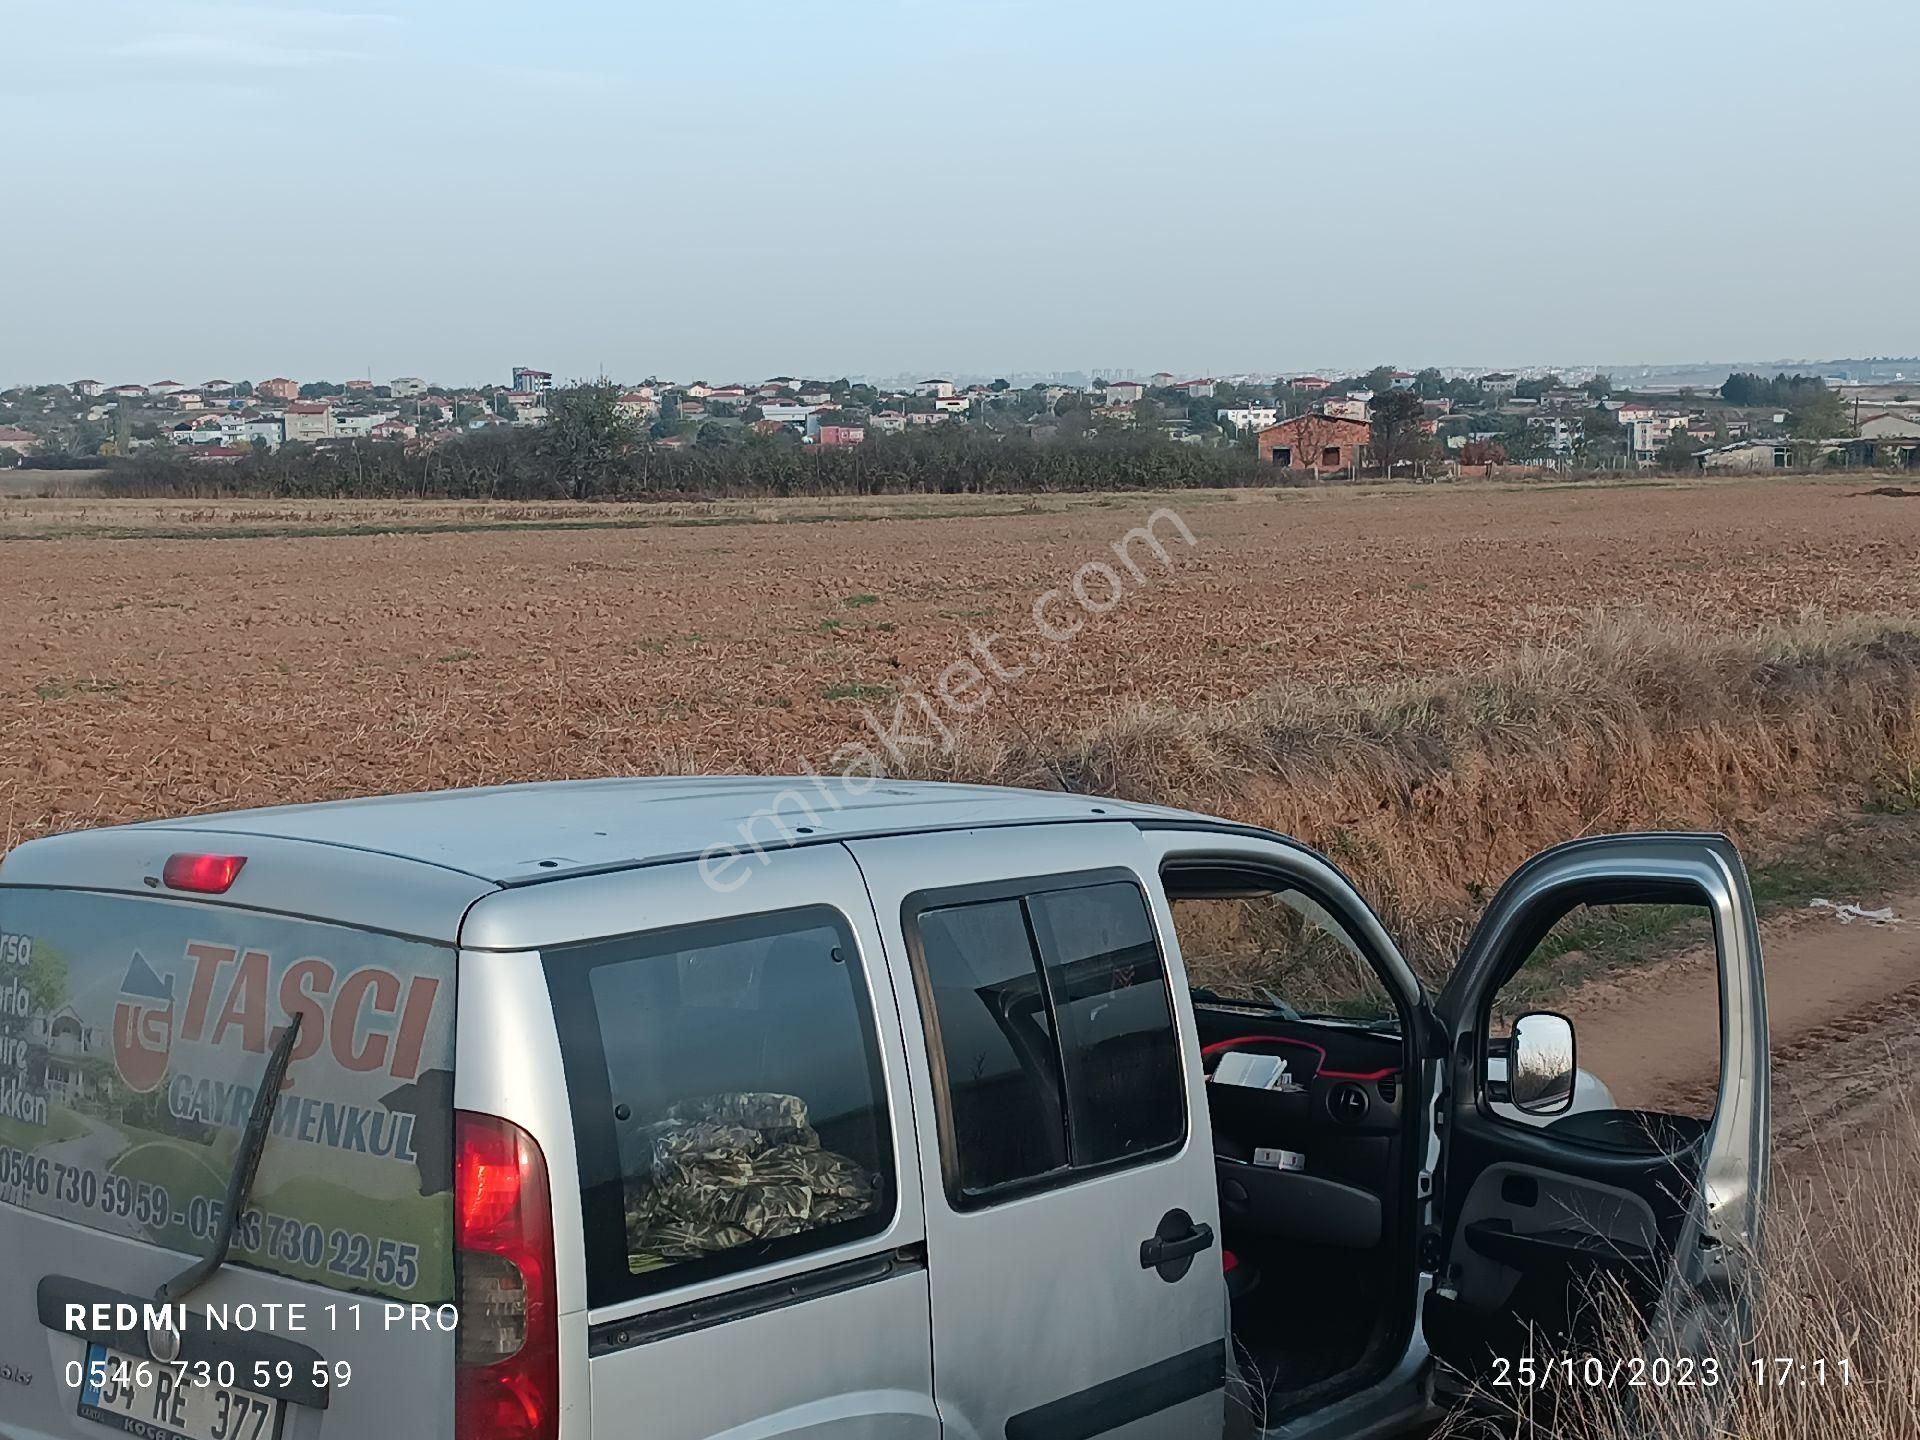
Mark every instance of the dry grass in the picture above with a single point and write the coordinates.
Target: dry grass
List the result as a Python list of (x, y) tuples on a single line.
[(1430, 792)]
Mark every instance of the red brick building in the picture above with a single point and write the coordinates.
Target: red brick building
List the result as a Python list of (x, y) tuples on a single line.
[(1320, 443), (838, 437)]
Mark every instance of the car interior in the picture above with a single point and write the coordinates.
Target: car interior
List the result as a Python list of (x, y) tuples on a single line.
[(1314, 1123)]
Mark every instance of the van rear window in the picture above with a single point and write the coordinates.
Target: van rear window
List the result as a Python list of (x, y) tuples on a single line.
[(133, 1033), (729, 1107)]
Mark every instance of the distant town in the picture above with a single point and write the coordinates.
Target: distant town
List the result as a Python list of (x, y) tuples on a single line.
[(1386, 421)]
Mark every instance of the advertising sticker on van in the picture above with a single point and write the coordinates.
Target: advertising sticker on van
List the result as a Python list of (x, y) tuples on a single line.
[(133, 1033)]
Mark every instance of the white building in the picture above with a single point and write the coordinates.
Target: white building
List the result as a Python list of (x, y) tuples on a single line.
[(787, 414), (1748, 455), (407, 387), (1124, 392), (266, 430), (307, 421), (1890, 426), (1250, 417), (1557, 433), (1649, 437), (531, 382), (358, 427), (204, 431), (938, 389)]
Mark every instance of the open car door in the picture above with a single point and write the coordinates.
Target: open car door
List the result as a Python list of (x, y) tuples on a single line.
[(1545, 1205)]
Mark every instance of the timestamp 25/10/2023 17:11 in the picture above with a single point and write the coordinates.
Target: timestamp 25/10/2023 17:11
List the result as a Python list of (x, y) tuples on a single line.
[(1665, 1372)]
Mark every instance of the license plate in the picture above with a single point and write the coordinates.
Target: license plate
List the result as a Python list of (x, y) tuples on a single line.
[(166, 1402)]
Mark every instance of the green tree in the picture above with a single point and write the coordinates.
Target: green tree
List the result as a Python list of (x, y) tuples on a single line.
[(1599, 387), (46, 978), (1820, 415), (1396, 416), (1677, 454), (1601, 431), (588, 439)]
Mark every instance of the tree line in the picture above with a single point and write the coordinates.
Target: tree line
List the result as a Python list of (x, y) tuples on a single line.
[(1789, 392), (588, 450)]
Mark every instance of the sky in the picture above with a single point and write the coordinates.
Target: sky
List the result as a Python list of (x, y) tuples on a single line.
[(448, 188)]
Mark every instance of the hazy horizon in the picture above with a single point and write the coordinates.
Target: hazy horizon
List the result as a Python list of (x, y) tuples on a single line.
[(248, 189)]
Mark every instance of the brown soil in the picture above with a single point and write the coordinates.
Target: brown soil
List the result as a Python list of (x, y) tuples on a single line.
[(150, 676)]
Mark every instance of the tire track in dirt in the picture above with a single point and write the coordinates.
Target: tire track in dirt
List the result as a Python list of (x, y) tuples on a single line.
[(1843, 1005)]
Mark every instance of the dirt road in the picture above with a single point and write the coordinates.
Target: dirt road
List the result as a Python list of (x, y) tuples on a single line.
[(1843, 1005)]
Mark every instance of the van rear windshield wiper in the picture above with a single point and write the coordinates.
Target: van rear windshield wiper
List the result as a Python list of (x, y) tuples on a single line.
[(246, 1161)]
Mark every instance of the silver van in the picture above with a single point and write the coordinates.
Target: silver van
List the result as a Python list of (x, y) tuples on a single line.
[(761, 1107)]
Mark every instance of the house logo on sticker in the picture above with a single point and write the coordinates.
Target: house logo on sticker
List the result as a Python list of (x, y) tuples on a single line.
[(143, 1027)]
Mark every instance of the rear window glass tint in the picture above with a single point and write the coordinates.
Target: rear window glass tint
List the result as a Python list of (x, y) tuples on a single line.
[(728, 1101), (994, 1041), (1117, 1041), (1050, 1028), (133, 1033)]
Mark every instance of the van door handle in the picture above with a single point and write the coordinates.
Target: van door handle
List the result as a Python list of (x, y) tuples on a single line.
[(1173, 1244)]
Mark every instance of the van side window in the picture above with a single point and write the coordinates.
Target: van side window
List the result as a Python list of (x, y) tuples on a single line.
[(728, 1101), (995, 1039), (1109, 988), (1051, 1032)]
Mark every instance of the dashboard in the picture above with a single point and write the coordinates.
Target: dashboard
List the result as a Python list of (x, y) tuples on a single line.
[(1313, 1160)]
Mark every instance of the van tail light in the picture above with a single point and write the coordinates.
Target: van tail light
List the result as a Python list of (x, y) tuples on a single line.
[(204, 874), (507, 1385)]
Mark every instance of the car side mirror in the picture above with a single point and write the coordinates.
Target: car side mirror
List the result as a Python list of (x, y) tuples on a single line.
[(1540, 1064)]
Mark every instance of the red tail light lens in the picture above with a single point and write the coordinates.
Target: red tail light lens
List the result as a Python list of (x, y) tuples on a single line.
[(205, 874), (508, 1383)]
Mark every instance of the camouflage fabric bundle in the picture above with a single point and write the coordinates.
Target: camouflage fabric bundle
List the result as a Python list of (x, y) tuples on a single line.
[(732, 1169)]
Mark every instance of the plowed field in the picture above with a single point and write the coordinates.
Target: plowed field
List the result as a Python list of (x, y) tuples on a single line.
[(153, 660)]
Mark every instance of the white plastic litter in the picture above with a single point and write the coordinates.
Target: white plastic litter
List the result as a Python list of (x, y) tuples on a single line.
[(1848, 913)]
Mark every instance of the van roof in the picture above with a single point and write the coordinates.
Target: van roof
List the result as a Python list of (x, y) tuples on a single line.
[(521, 834)]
